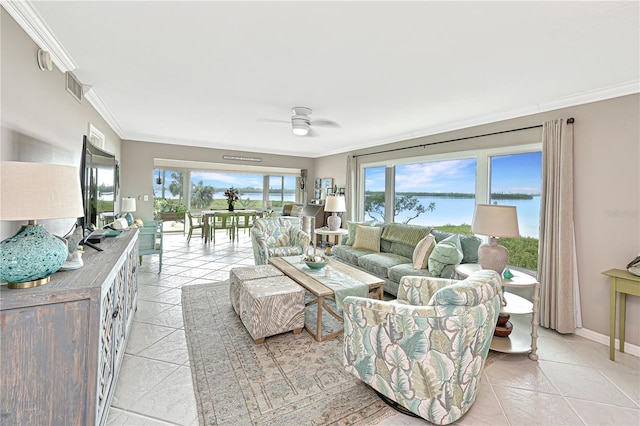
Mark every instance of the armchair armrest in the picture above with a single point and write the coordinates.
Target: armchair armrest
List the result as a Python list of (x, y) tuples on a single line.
[(418, 290), (300, 238)]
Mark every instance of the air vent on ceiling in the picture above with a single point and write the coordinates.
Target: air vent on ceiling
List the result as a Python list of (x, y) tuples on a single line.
[(74, 86)]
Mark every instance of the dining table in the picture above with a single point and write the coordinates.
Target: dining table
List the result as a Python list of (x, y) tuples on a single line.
[(208, 215)]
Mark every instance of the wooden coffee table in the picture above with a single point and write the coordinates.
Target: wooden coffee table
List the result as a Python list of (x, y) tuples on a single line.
[(320, 291)]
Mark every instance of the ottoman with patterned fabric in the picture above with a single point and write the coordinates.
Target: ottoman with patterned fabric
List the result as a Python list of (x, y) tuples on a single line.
[(239, 275), (270, 306)]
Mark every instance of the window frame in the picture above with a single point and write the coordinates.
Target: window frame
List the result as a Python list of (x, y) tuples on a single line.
[(483, 171)]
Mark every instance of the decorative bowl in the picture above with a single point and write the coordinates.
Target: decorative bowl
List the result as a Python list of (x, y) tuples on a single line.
[(315, 262)]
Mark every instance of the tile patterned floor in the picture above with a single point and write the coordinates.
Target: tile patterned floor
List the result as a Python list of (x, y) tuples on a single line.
[(573, 382)]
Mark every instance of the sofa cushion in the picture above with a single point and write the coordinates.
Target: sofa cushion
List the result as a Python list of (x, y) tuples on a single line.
[(446, 252), (405, 234), (379, 263), (469, 243), (422, 251), (351, 228), (395, 273), (348, 253), (367, 238)]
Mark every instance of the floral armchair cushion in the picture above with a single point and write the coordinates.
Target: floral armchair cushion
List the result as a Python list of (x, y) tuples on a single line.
[(277, 236), (427, 349)]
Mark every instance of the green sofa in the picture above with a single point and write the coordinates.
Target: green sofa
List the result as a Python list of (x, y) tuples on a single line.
[(397, 244)]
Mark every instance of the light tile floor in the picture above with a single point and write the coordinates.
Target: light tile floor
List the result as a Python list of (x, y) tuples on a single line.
[(573, 383)]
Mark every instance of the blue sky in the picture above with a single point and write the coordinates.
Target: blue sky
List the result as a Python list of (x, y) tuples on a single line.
[(520, 173)]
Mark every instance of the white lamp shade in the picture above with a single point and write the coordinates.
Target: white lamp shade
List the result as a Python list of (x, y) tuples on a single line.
[(128, 205), (335, 203), (495, 221), (33, 191)]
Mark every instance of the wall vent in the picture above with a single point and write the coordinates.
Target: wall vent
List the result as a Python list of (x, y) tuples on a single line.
[(74, 87)]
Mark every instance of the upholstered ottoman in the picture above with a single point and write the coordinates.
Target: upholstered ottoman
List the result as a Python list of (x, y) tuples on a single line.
[(271, 306), (239, 275)]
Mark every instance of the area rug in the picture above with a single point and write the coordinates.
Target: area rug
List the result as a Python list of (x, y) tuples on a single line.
[(290, 379)]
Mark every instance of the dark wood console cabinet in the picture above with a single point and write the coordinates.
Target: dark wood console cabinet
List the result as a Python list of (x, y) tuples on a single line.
[(62, 344)]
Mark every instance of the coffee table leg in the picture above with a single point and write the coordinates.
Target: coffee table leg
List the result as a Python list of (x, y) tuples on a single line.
[(319, 326)]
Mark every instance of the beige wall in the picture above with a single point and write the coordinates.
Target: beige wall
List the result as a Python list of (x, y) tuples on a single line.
[(40, 120), (606, 191), (136, 174)]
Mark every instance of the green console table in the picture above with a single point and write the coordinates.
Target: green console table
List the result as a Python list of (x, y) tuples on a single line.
[(622, 282)]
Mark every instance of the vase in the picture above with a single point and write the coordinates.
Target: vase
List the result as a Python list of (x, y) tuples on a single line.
[(230, 207)]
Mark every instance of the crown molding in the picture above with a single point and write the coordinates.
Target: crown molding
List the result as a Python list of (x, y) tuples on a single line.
[(98, 104), (31, 22)]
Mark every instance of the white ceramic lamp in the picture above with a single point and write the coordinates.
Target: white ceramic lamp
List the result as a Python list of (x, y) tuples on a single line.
[(34, 191), (495, 221), (335, 204), (128, 206)]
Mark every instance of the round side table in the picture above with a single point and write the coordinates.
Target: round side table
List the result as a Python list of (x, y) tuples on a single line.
[(326, 233), (517, 342)]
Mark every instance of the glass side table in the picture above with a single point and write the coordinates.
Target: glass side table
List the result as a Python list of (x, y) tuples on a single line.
[(518, 342)]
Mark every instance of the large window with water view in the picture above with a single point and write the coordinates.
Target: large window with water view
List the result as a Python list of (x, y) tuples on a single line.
[(374, 193), (442, 194), (436, 193), (516, 180)]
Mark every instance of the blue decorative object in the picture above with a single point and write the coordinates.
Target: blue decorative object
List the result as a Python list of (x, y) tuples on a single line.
[(31, 255), (507, 274), (129, 218)]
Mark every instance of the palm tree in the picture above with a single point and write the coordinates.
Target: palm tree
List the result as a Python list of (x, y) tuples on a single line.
[(201, 195), (175, 187)]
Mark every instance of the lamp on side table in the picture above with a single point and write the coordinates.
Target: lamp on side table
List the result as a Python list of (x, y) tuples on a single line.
[(335, 204)]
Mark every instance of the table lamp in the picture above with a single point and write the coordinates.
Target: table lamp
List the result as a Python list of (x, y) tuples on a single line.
[(128, 206), (34, 191), (335, 204), (494, 221)]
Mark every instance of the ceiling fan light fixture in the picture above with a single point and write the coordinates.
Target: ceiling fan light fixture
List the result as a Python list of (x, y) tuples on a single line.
[(300, 129)]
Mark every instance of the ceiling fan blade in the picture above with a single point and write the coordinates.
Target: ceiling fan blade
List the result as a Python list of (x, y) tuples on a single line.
[(271, 120), (324, 122)]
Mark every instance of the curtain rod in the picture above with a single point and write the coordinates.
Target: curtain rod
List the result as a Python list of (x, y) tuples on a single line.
[(569, 121)]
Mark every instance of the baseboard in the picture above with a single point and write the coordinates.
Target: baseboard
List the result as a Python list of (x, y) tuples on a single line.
[(604, 339)]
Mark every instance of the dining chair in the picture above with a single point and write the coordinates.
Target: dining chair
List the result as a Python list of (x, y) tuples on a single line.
[(194, 223), (223, 220), (244, 220)]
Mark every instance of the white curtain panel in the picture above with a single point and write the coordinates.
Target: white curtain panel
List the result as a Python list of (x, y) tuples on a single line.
[(557, 266), (351, 187)]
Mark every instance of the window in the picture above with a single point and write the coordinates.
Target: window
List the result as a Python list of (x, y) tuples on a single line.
[(516, 180), (435, 193), (442, 191), (282, 189), (374, 193)]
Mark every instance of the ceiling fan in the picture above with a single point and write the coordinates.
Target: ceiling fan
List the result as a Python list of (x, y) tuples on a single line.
[(301, 121)]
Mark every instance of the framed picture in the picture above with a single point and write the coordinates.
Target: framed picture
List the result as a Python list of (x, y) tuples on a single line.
[(317, 194), (329, 191), (341, 191), (318, 184), (327, 182)]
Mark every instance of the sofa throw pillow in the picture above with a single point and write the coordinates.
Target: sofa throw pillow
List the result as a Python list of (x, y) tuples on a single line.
[(422, 251), (367, 238), (351, 228), (446, 252)]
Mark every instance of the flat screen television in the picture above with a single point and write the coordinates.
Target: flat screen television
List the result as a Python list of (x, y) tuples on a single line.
[(99, 183)]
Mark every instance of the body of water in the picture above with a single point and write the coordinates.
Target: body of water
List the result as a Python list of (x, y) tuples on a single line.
[(456, 211)]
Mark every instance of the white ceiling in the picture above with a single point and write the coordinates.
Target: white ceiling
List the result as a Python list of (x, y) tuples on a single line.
[(204, 73)]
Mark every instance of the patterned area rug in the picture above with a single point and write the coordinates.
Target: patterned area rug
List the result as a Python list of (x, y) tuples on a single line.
[(288, 380)]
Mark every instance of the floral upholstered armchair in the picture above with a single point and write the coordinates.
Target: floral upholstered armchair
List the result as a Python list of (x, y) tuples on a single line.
[(425, 350), (277, 236)]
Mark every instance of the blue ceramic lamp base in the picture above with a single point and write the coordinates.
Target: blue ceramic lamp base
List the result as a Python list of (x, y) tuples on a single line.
[(28, 258)]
